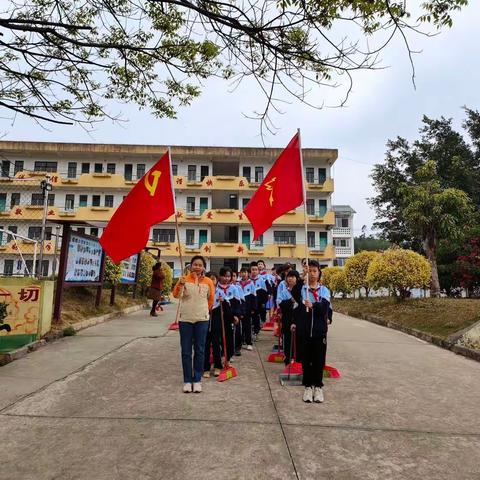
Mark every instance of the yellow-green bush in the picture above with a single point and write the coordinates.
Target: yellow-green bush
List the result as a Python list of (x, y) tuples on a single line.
[(356, 269), (335, 280), (113, 272), (167, 286), (145, 270), (399, 270)]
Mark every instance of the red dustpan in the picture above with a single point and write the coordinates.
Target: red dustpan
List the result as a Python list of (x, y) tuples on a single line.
[(331, 372), (277, 355), (293, 372), (228, 371), (174, 325)]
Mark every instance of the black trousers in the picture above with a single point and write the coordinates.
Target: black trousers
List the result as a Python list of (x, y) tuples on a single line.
[(313, 353), (256, 322), (288, 348), (214, 340), (247, 329), (238, 336)]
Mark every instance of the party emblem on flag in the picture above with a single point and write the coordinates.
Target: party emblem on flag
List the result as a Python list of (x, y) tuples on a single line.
[(269, 187), (152, 187)]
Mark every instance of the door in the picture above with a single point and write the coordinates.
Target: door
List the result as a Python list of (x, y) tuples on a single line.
[(233, 201), (247, 173), (128, 171), (231, 234), (204, 172), (232, 263), (323, 208), (246, 238), (3, 201), (203, 204), (323, 240), (202, 237), (311, 239)]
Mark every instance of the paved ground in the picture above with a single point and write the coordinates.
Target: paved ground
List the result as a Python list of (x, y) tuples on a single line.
[(107, 405)]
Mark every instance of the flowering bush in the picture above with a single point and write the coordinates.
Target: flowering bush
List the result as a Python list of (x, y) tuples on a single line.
[(356, 269)]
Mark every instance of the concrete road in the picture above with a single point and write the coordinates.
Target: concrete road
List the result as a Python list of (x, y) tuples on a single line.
[(107, 405)]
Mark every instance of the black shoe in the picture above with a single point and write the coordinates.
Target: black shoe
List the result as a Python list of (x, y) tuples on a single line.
[(153, 314), (238, 353)]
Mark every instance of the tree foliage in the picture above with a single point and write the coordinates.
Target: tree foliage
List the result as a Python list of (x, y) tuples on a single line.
[(399, 270), (428, 191), (167, 284), (335, 280), (63, 60), (468, 267), (356, 269)]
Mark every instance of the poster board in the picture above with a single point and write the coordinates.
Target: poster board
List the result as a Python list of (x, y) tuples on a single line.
[(130, 269), (84, 259)]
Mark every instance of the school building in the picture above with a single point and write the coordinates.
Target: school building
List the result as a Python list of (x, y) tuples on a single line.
[(212, 186)]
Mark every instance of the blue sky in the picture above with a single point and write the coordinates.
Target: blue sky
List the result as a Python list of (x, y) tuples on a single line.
[(383, 104)]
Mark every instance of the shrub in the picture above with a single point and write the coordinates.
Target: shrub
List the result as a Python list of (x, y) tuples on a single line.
[(167, 286), (145, 270), (399, 270), (113, 272), (356, 269), (335, 280)]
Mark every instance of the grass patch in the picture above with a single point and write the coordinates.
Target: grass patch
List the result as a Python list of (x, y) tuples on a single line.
[(438, 316), (79, 303)]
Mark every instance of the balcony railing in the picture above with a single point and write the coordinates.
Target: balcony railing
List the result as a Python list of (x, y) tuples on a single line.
[(344, 231), (343, 251)]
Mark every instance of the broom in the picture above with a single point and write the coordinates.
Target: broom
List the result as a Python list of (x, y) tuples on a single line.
[(228, 371), (270, 325), (331, 372), (277, 355), (293, 372)]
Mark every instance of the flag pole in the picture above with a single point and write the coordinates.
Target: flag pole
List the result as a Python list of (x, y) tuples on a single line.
[(304, 191), (174, 325)]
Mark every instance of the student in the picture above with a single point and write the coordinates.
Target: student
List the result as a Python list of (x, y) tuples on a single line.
[(196, 293), (269, 285), (287, 303), (249, 309), (312, 318), (261, 292), (240, 299), (225, 299)]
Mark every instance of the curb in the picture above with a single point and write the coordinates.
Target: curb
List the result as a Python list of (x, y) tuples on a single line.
[(52, 336), (447, 344)]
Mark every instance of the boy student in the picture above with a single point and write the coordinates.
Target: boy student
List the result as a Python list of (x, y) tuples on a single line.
[(261, 292), (287, 303), (225, 299), (311, 320), (240, 298), (249, 309)]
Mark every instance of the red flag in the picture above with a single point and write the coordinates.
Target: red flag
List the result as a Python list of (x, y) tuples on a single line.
[(282, 189), (149, 202)]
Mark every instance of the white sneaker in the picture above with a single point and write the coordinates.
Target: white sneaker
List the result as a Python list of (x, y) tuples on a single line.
[(197, 387), (318, 395), (249, 347), (187, 387), (308, 395)]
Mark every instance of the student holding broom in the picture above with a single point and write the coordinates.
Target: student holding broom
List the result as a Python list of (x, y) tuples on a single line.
[(196, 294), (312, 318)]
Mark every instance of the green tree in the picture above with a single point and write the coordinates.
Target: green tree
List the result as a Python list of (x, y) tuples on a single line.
[(356, 269), (113, 272), (335, 280), (145, 270), (63, 60), (433, 212)]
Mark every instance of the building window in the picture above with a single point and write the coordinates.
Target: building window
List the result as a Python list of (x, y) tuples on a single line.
[(13, 229), (342, 222), (202, 237), (109, 201), (246, 237), (5, 168), (204, 172), (128, 172), (190, 204), (192, 173), (284, 237), (95, 200), (310, 174), (18, 167), (140, 170), (111, 168), (258, 174), (233, 201), (258, 242), (247, 173), (339, 262), (14, 199), (98, 168), (311, 239), (35, 233), (8, 268), (69, 202), (190, 236), (310, 206), (174, 169), (37, 199), (341, 242), (83, 201), (203, 204), (72, 170), (85, 168), (323, 240), (94, 232), (3, 202), (245, 202), (164, 235), (81, 230), (45, 166), (322, 175)]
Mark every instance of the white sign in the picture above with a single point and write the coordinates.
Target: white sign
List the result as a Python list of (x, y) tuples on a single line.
[(84, 259), (129, 269)]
